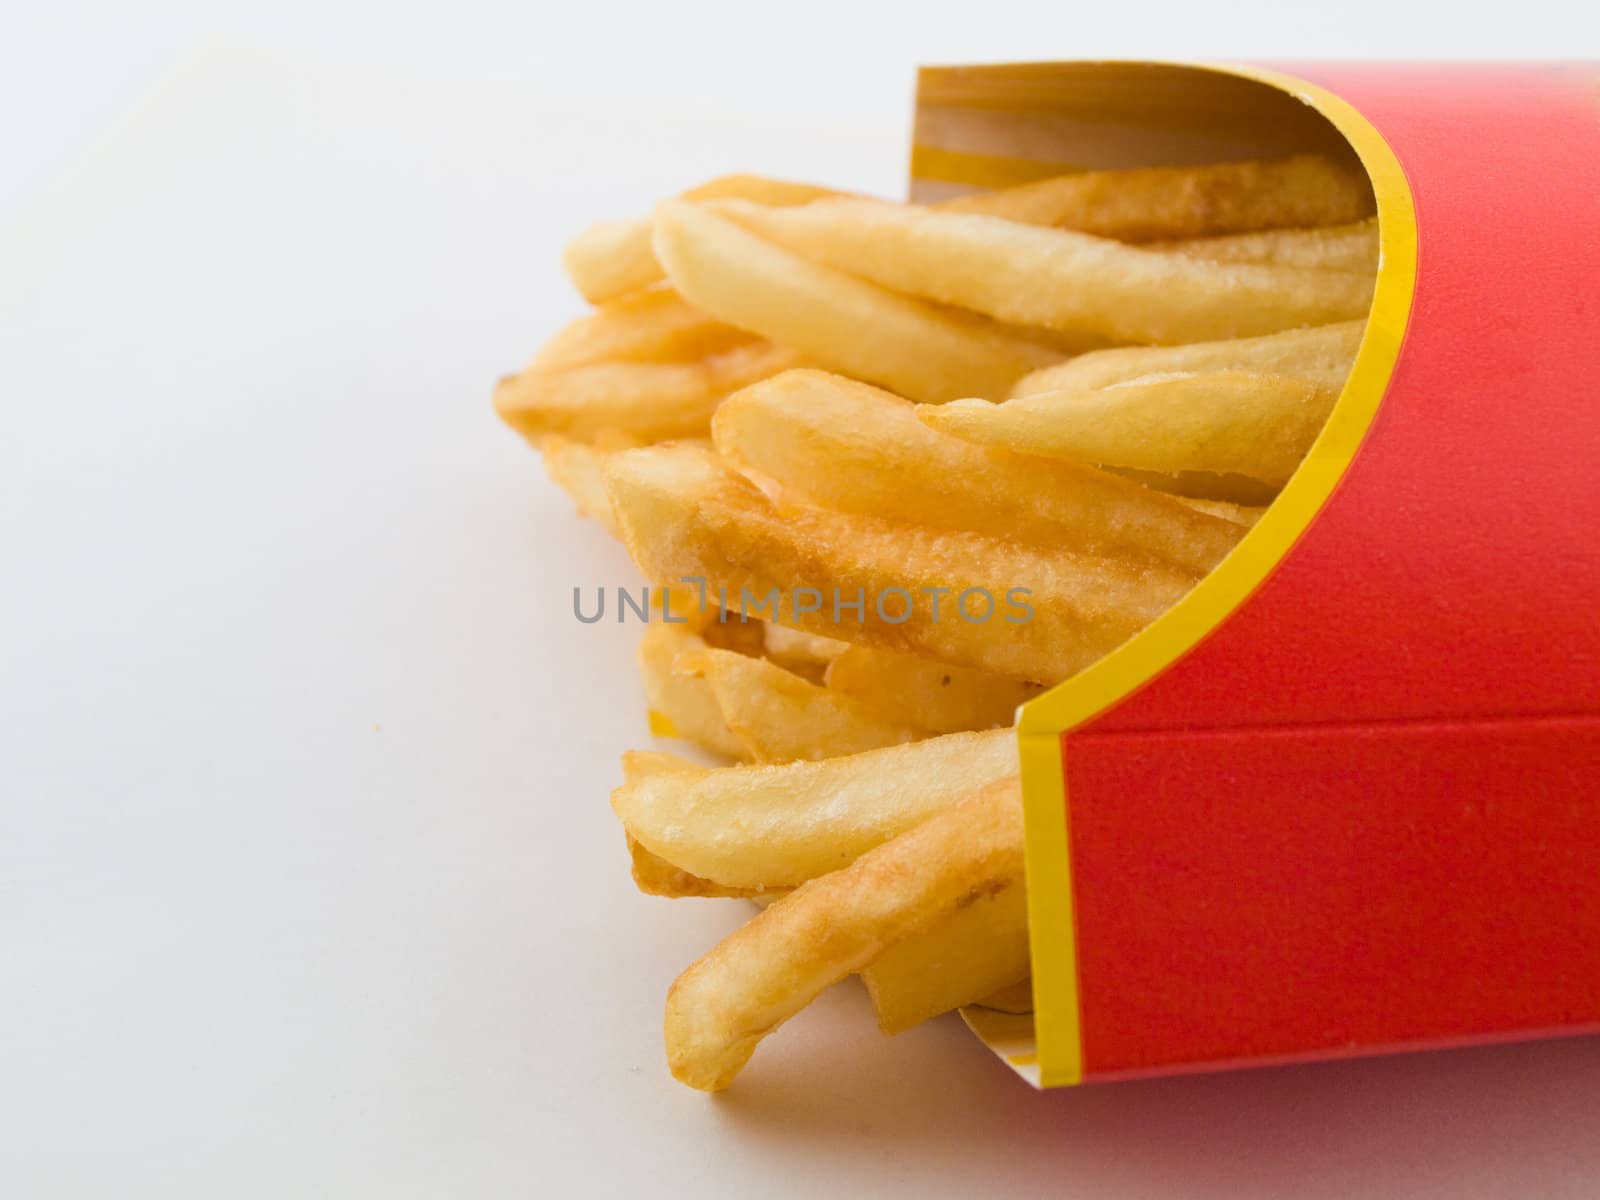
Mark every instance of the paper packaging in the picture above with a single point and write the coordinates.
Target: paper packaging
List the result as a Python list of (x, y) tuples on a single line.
[(1345, 797)]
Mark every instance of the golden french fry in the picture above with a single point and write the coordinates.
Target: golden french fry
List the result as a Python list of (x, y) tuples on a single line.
[(833, 319), (647, 401), (760, 827), (926, 694), (1322, 354), (1228, 422), (682, 705), (761, 975), (656, 325), (1340, 248), (1147, 203), (965, 598), (726, 630), (1236, 491), (638, 765), (613, 258), (578, 469), (1240, 514), (610, 259), (1054, 278), (781, 717), (967, 956), (800, 652), (1016, 1000), (840, 444), (760, 189), (655, 876)]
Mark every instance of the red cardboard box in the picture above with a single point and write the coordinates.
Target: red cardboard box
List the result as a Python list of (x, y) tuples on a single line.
[(1344, 798)]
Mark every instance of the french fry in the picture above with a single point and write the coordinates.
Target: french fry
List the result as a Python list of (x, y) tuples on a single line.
[(1238, 492), (799, 651), (613, 258), (1340, 248), (1322, 354), (1017, 1000), (761, 975), (655, 876), (759, 827), (639, 765), (656, 325), (967, 956), (1053, 278), (1237, 422), (727, 630), (578, 469), (833, 319), (1095, 382), (1149, 203), (645, 400), (1240, 514), (682, 705), (781, 717), (840, 444), (1008, 607), (926, 694), (610, 259)]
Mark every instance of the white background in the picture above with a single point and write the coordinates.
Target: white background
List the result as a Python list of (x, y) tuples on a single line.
[(308, 884)]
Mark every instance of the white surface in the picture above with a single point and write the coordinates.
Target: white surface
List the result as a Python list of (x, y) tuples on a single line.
[(308, 884), (68, 65)]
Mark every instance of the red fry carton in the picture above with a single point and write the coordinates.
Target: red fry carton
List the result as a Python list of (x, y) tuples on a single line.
[(1344, 798)]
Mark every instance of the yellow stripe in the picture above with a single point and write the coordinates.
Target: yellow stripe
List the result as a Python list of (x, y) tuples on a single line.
[(661, 725), (981, 170), (1046, 719), (1052, 936)]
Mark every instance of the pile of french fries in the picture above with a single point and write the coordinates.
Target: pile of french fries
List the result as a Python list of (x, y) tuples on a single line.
[(1073, 396)]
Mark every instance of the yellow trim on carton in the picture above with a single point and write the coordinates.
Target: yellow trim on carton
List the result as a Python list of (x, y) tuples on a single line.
[(1044, 721)]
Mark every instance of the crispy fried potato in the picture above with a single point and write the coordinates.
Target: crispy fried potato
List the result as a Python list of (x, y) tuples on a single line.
[(1240, 514), (1147, 203), (727, 630), (760, 827), (656, 325), (781, 717), (1053, 278), (682, 705), (1008, 607), (610, 259), (1340, 248), (578, 469), (761, 975), (1322, 354), (969, 955), (845, 445), (1228, 422), (833, 319), (638, 765), (613, 258), (655, 876), (1016, 999), (647, 401), (800, 652), (926, 694), (1210, 487)]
